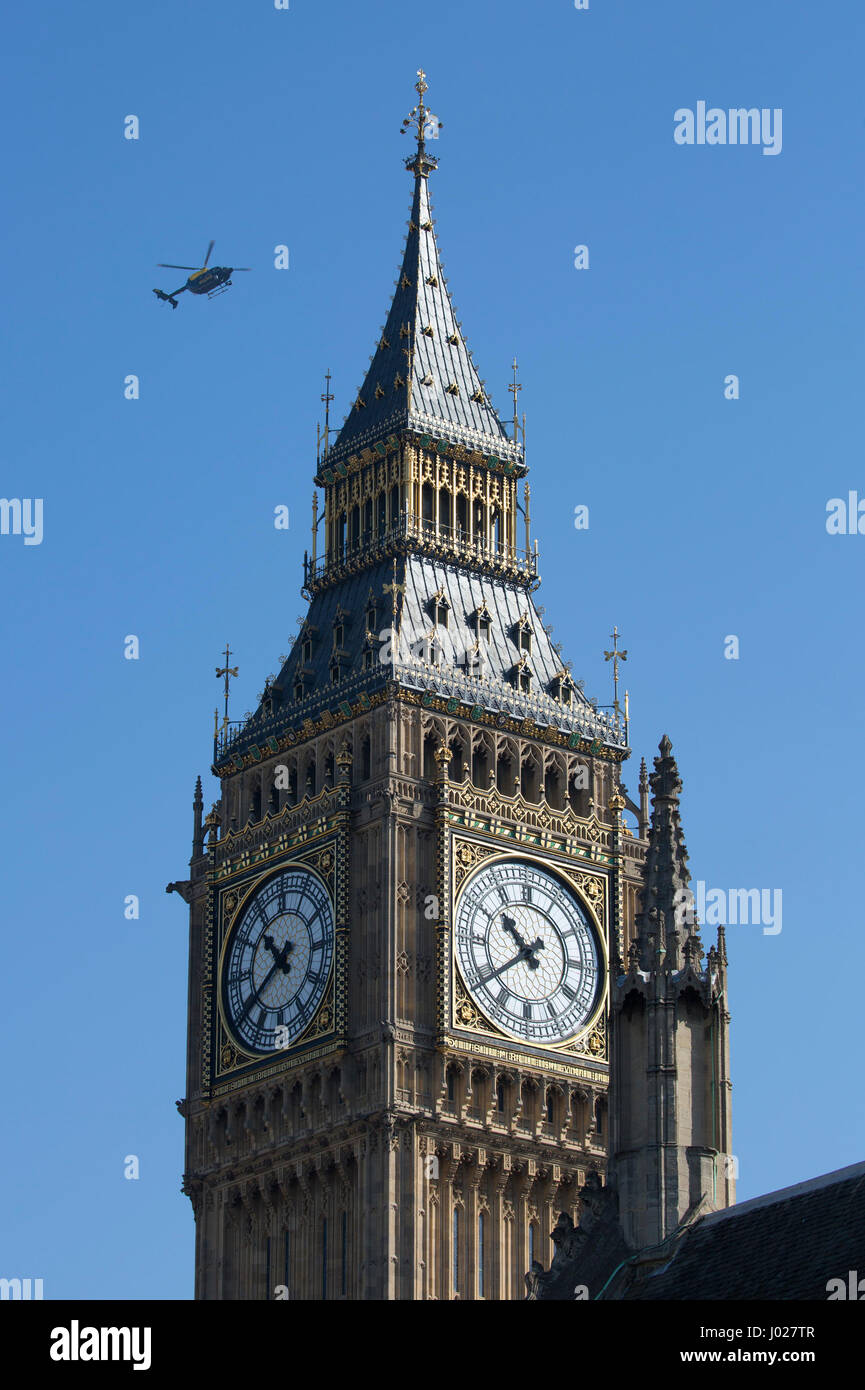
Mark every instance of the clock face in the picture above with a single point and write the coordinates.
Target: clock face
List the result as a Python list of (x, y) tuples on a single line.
[(527, 952), (278, 959)]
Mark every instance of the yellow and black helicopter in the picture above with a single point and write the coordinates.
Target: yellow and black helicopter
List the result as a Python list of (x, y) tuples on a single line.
[(210, 281)]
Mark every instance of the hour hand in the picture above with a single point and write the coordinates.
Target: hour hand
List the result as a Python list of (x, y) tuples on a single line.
[(531, 953), (510, 927), (280, 957)]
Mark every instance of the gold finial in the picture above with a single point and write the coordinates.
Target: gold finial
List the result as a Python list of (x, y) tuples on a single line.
[(394, 589), (442, 756), (420, 117), (408, 353), (615, 656), (514, 388)]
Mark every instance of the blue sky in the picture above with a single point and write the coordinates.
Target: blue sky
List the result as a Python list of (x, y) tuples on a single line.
[(707, 515)]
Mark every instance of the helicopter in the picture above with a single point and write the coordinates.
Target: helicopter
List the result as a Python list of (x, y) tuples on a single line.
[(215, 280)]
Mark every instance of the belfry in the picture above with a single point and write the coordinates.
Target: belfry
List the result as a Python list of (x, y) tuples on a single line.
[(417, 887)]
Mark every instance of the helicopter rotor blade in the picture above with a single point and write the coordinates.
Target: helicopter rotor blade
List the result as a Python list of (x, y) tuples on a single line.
[(207, 257), (240, 267), (169, 265)]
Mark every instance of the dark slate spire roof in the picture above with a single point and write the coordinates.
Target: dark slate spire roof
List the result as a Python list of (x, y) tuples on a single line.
[(491, 686), (442, 393)]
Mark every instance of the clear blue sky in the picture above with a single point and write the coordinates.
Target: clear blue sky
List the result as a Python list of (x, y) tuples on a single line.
[(707, 516)]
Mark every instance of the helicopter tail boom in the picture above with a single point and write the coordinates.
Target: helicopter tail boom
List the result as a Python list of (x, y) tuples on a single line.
[(168, 298)]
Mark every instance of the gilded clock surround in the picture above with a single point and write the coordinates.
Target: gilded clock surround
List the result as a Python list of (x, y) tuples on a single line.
[(234, 903), (468, 856), (225, 1060)]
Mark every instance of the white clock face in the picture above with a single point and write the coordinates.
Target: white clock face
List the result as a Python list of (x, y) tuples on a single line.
[(527, 952), (278, 960)]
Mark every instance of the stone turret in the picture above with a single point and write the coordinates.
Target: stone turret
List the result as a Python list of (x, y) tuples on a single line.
[(670, 1117), (669, 1153)]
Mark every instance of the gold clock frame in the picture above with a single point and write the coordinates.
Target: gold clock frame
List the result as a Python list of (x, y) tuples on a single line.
[(469, 856), (230, 1058)]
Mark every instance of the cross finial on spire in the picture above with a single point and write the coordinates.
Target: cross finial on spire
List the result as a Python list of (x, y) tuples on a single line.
[(227, 671), (326, 400), (424, 122), (514, 388), (615, 656)]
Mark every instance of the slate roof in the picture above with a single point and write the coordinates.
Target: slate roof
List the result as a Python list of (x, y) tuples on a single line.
[(463, 414), (784, 1245), (441, 359), (425, 578)]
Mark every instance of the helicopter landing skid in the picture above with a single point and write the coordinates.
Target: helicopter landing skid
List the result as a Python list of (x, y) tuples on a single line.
[(221, 289)]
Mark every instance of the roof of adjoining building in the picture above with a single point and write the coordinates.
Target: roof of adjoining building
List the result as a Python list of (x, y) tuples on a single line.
[(784, 1245)]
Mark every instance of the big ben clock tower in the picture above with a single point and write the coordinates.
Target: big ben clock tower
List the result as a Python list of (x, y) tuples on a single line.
[(404, 903)]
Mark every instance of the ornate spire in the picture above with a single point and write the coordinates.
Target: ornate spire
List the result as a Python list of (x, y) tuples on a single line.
[(665, 918), (421, 374), (197, 830), (669, 1025)]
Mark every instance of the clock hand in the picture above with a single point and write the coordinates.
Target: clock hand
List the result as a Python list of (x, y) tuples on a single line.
[(257, 993), (510, 927), (281, 958), (538, 945), (524, 953)]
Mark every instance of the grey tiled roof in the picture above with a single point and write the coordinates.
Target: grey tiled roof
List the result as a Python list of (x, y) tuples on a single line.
[(441, 358), (785, 1245), (424, 578)]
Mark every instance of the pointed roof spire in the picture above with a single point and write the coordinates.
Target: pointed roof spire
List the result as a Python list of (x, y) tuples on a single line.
[(665, 906), (421, 374)]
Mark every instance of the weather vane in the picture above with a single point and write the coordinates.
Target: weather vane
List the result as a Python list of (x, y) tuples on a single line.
[(615, 656)]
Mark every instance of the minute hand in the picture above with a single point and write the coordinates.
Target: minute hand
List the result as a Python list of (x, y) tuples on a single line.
[(257, 993)]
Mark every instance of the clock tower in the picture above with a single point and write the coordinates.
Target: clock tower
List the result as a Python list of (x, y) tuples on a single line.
[(404, 903)]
